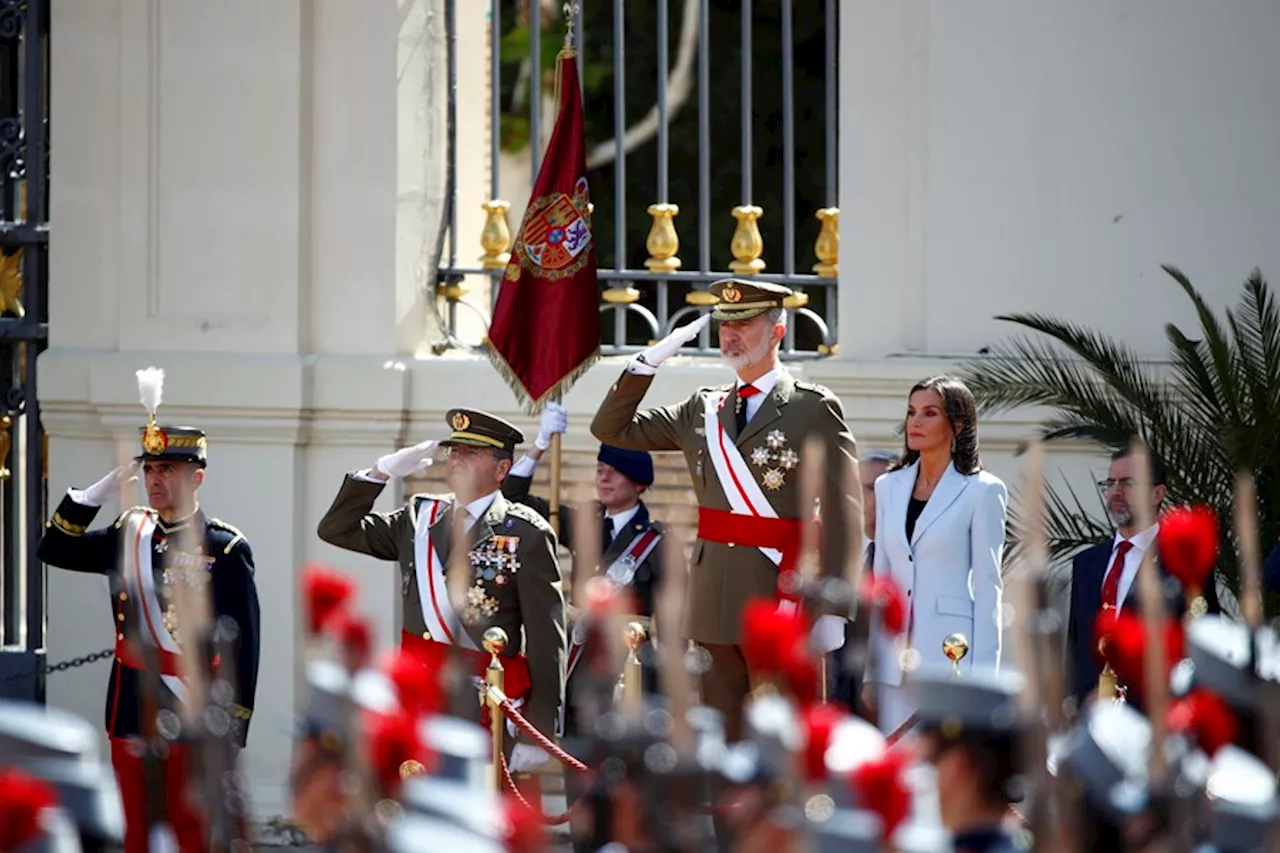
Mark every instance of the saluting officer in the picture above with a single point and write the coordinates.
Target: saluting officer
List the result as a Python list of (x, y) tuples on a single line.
[(743, 444), (143, 558), (511, 551)]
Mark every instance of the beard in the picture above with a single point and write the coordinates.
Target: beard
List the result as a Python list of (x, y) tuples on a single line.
[(750, 357), (1121, 517)]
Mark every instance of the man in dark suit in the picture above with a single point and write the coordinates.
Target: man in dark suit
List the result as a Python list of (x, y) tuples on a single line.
[(1104, 576)]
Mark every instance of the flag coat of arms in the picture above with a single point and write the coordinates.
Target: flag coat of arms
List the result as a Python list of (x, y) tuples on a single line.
[(545, 331)]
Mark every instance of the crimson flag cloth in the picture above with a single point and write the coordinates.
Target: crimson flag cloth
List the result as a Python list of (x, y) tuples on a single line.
[(545, 331)]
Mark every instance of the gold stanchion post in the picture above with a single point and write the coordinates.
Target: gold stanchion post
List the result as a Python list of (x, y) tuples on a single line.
[(955, 647), (632, 684), (495, 640)]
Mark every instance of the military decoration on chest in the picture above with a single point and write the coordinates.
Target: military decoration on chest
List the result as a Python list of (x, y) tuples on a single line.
[(776, 458), (180, 569), (493, 564)]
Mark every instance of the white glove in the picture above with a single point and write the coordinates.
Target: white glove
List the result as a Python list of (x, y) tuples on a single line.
[(647, 362), (526, 757), (108, 487), (408, 461), (827, 634), (555, 420)]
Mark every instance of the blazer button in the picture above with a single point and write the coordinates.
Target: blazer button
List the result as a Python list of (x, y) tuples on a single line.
[(731, 545), (119, 636), (426, 635), (119, 617)]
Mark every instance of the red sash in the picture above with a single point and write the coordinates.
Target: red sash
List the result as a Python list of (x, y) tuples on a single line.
[(166, 661), (516, 681), (753, 531)]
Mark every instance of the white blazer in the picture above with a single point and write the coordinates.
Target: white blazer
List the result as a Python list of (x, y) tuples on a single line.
[(949, 571)]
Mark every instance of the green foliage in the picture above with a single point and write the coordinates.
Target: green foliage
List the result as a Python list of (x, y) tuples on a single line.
[(1211, 412)]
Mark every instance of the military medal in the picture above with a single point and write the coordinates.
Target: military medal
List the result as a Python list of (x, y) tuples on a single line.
[(776, 458)]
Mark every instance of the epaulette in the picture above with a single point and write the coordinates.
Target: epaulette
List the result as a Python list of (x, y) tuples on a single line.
[(145, 510), (814, 387), (525, 513), (236, 535)]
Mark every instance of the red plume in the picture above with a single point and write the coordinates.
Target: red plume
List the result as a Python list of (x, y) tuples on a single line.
[(524, 832), (354, 634), (325, 592), (1188, 544), (417, 687), (819, 723), (883, 593), (1204, 715), (880, 788), (22, 798), (769, 635), (395, 751), (1126, 641)]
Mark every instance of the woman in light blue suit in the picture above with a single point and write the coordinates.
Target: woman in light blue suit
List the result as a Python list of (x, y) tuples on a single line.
[(940, 533)]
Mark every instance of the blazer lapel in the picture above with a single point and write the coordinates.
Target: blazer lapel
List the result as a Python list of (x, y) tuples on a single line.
[(952, 484), (771, 408)]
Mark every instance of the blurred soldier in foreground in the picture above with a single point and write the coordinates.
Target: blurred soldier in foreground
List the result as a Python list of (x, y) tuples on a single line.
[(143, 558)]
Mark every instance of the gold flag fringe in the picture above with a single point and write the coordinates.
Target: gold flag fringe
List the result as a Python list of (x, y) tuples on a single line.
[(529, 404)]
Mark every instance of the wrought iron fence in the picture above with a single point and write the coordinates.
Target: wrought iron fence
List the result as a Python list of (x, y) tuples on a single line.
[(642, 303), (24, 334)]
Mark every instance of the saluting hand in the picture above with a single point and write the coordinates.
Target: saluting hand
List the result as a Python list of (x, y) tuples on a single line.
[(103, 490), (406, 462), (670, 345)]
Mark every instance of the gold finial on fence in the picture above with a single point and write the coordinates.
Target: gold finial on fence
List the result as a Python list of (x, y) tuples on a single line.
[(827, 246), (747, 245), (632, 685), (663, 242), (495, 237)]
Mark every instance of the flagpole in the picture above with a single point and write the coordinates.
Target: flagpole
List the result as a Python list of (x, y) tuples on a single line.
[(567, 52)]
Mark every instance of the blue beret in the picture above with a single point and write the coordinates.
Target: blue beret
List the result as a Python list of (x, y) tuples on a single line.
[(635, 465)]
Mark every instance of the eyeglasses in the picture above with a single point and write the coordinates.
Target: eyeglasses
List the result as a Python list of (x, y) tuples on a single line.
[(1124, 483)]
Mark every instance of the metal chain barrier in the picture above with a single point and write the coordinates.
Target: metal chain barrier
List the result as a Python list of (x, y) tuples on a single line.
[(46, 668)]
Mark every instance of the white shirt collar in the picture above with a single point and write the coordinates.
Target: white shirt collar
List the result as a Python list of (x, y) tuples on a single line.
[(1141, 541), (478, 507), (765, 383), (622, 519)]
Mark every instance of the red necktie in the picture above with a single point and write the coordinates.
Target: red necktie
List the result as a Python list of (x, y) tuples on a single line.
[(1111, 584), (740, 410)]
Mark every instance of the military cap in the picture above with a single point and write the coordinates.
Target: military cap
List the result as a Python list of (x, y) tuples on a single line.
[(1243, 802), (1108, 751), (61, 748), (474, 428), (635, 465), (980, 703), (171, 443), (1223, 651), (742, 300)]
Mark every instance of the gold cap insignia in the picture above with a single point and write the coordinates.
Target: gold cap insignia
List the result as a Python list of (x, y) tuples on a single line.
[(731, 294), (154, 440), (460, 421)]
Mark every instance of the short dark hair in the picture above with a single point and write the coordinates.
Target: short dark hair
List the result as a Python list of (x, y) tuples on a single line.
[(1157, 470)]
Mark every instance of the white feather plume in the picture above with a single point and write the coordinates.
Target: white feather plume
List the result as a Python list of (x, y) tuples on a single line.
[(151, 388)]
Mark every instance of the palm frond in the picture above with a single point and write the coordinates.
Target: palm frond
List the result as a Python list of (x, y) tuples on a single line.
[(1068, 525)]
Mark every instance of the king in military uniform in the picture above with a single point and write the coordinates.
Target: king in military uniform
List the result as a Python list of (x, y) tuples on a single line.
[(515, 576), (147, 555), (743, 444)]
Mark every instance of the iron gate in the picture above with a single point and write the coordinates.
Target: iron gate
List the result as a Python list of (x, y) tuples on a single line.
[(24, 334)]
